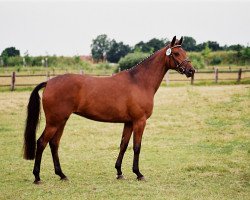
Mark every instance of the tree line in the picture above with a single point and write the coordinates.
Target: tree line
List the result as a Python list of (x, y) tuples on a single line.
[(105, 49)]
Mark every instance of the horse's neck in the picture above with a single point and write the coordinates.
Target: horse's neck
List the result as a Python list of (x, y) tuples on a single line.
[(149, 73)]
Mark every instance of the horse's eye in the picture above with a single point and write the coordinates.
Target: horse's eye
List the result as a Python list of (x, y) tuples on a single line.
[(176, 54)]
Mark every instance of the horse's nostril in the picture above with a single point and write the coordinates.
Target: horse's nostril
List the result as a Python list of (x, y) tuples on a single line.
[(191, 71)]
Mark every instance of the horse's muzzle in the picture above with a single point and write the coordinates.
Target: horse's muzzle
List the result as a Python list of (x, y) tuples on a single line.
[(190, 72)]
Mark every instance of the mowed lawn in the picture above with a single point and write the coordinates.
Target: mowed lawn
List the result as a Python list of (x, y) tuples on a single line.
[(196, 146)]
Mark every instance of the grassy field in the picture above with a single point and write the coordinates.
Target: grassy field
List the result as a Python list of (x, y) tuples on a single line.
[(196, 146)]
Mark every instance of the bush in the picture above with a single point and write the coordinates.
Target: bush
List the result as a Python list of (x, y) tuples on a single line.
[(35, 61), (216, 61), (197, 60), (246, 55), (218, 58), (52, 60), (131, 60), (57, 62), (14, 61), (226, 57), (103, 66)]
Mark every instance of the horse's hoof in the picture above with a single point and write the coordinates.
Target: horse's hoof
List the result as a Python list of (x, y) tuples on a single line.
[(120, 177), (37, 182), (64, 178), (142, 178)]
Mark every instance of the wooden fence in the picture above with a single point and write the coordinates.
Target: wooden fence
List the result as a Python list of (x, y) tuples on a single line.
[(234, 76)]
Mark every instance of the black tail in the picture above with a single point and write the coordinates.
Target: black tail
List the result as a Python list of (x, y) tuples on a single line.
[(33, 113)]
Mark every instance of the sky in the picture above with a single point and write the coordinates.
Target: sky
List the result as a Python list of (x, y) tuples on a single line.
[(68, 27)]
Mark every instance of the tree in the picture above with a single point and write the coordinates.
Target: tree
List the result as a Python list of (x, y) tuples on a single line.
[(189, 43), (235, 47), (201, 46), (205, 53), (143, 47), (99, 47), (239, 53), (10, 52), (1, 61), (156, 44), (214, 46), (117, 51), (246, 55), (7, 53), (150, 46)]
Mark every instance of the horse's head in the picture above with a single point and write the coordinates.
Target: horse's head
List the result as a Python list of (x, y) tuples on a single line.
[(176, 58)]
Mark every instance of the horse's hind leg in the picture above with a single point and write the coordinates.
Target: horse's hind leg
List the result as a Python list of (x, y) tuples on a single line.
[(138, 128), (127, 131), (48, 133), (54, 144)]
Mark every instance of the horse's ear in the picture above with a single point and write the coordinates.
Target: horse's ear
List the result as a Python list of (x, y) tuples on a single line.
[(173, 41), (180, 41)]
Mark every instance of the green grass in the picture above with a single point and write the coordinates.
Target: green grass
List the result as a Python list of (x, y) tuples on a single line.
[(196, 146)]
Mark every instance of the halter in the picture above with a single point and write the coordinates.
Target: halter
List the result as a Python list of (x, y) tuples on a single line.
[(179, 66)]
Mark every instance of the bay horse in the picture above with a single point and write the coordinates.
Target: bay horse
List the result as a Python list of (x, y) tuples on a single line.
[(126, 97)]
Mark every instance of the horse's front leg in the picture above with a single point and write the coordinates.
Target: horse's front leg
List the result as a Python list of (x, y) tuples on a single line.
[(127, 131), (138, 128)]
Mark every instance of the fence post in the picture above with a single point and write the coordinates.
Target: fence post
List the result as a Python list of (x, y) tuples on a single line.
[(239, 75), (13, 80), (48, 75), (167, 78), (46, 62), (192, 79), (216, 75)]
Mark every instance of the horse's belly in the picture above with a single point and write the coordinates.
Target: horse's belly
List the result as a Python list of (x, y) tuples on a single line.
[(107, 117), (105, 113)]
